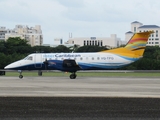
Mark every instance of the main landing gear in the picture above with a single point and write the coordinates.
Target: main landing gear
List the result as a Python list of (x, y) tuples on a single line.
[(20, 76), (73, 76)]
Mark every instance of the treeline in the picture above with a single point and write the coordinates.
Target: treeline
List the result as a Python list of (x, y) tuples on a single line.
[(15, 49)]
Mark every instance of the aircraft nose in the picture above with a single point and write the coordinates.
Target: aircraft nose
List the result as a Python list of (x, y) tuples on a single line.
[(12, 66), (6, 67)]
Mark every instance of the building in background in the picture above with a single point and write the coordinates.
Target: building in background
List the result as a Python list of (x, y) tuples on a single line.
[(110, 42), (154, 39), (58, 41), (3, 31), (32, 34), (35, 38), (113, 41)]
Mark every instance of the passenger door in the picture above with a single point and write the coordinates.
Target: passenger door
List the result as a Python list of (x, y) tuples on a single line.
[(38, 60)]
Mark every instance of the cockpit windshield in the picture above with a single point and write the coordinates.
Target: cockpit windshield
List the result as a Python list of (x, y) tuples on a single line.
[(28, 58)]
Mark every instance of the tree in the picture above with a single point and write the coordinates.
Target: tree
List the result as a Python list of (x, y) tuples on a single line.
[(149, 51), (41, 49), (17, 45), (74, 48), (2, 60), (12, 50), (2, 46), (16, 41), (156, 54), (90, 49), (62, 48)]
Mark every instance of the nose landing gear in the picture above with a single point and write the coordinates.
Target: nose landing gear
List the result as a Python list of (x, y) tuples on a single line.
[(20, 76)]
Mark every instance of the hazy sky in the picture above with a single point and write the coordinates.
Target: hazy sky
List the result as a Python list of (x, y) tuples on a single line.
[(82, 18)]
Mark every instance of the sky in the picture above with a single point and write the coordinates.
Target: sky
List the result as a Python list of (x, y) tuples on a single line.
[(82, 18)]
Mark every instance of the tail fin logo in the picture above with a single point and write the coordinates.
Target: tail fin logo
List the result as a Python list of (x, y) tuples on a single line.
[(138, 41)]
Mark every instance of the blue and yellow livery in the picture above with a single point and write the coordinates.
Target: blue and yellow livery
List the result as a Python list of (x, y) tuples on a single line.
[(73, 62)]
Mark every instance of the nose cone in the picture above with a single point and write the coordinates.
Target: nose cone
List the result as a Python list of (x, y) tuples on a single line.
[(12, 66), (9, 67)]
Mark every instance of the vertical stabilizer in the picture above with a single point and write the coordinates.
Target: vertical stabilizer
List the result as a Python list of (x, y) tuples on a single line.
[(135, 46), (138, 42)]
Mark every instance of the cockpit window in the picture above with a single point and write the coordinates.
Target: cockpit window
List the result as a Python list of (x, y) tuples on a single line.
[(25, 58), (30, 58)]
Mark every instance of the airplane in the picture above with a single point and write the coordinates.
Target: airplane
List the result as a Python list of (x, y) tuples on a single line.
[(73, 62)]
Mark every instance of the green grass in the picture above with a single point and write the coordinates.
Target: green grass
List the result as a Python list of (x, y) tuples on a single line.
[(87, 74)]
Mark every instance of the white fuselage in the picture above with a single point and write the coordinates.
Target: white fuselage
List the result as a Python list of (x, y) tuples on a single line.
[(84, 60)]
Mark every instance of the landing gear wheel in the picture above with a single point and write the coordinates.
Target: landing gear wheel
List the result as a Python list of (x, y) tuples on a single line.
[(20, 76), (73, 76)]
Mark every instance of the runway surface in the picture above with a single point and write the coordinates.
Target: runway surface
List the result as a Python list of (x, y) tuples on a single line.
[(82, 86), (84, 98)]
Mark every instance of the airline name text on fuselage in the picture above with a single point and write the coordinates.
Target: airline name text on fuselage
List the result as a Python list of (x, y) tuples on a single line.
[(61, 55), (73, 56)]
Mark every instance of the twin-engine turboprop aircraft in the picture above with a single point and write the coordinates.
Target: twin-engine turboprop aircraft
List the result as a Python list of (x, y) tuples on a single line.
[(73, 62)]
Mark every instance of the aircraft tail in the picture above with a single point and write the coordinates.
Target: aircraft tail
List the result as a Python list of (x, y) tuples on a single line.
[(138, 42), (135, 46)]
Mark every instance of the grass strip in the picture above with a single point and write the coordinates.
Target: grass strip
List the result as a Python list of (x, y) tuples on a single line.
[(86, 74)]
